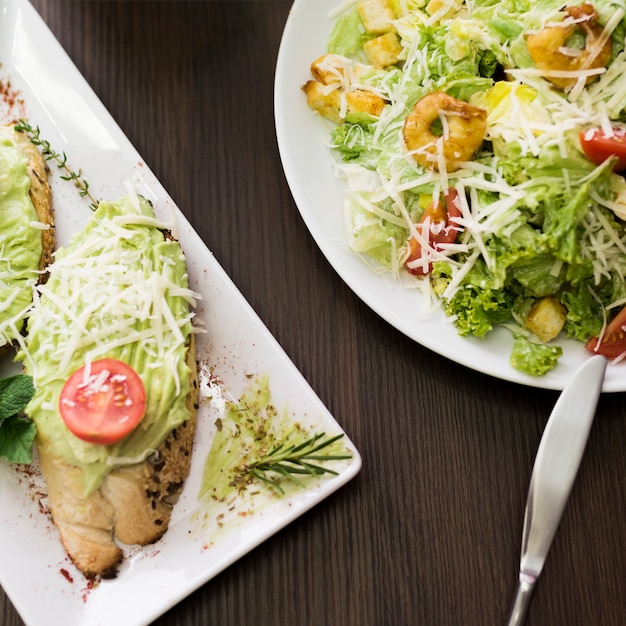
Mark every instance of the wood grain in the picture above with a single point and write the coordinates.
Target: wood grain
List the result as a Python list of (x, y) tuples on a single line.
[(429, 532)]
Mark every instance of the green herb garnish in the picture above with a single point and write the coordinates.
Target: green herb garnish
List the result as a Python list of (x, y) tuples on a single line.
[(17, 432), (255, 444), (50, 154), (295, 459)]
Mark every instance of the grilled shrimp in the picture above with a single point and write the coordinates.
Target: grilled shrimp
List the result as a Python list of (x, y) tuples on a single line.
[(548, 47), (463, 129)]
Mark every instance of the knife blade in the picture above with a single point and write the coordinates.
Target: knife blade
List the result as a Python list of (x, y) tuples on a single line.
[(556, 465)]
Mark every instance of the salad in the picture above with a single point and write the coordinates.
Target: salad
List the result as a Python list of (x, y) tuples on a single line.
[(483, 146)]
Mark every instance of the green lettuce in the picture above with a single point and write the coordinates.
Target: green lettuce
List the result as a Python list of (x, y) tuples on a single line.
[(535, 359), (376, 237), (539, 238), (475, 307), (348, 34)]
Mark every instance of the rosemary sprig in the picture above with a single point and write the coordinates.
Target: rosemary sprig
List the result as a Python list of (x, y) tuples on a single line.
[(294, 460), (34, 134)]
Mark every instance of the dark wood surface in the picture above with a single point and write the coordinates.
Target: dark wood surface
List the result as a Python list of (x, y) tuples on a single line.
[(429, 532)]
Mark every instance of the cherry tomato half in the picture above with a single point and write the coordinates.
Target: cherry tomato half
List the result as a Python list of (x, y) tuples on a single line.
[(598, 147), (105, 405), (441, 229), (612, 344)]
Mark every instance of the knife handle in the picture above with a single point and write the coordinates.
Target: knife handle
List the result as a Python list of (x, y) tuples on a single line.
[(521, 601)]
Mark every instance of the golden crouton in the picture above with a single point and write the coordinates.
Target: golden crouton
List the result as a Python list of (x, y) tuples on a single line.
[(360, 101), (377, 16), (546, 318), (383, 51), (449, 8), (328, 104), (329, 68)]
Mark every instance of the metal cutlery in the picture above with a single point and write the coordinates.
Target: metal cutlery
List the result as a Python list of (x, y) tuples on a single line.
[(556, 465)]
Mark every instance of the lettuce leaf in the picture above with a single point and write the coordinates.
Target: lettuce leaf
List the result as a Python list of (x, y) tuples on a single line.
[(531, 358), (348, 34)]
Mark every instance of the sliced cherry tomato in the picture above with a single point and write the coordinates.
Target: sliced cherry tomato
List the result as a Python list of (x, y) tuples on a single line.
[(598, 147), (103, 402), (612, 343), (442, 229)]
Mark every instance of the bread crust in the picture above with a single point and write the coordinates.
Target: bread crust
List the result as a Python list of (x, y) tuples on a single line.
[(134, 503)]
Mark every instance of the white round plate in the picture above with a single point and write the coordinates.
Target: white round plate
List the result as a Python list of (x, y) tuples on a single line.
[(319, 195)]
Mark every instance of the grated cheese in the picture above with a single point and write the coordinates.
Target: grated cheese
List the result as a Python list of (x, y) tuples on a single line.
[(538, 119), (124, 296)]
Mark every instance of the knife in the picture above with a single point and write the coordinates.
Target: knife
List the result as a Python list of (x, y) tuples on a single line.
[(556, 465)]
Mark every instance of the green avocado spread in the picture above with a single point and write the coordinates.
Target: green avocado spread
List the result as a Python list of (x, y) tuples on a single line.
[(118, 290), (20, 242)]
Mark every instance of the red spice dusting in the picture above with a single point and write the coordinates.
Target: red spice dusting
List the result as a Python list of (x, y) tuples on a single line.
[(36, 486), (66, 575), (8, 95), (12, 101), (91, 584)]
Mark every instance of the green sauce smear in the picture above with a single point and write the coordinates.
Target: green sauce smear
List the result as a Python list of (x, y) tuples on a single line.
[(251, 445)]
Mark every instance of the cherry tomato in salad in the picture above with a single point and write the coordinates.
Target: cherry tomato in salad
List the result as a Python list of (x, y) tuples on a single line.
[(612, 344), (599, 147), (105, 403), (442, 229)]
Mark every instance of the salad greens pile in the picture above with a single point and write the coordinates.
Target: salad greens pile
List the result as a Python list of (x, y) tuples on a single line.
[(539, 219)]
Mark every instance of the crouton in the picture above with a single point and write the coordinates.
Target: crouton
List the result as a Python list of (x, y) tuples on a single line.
[(326, 103), (377, 16), (443, 8), (329, 103), (329, 68), (383, 51), (360, 101), (546, 318)]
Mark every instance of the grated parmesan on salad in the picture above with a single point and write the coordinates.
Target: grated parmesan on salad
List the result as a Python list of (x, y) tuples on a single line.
[(462, 129)]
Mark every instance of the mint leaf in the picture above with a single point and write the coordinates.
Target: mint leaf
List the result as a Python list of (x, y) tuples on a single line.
[(15, 394), (17, 433), (16, 439)]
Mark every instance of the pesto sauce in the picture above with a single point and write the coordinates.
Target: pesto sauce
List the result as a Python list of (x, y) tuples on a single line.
[(248, 431), (112, 293), (20, 242)]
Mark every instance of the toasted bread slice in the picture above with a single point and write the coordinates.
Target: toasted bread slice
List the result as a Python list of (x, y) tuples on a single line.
[(134, 503), (40, 195), (118, 290)]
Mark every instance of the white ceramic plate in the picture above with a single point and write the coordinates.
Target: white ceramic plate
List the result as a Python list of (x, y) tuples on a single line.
[(34, 570), (319, 195)]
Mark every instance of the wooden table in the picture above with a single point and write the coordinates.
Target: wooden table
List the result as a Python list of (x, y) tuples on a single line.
[(429, 532)]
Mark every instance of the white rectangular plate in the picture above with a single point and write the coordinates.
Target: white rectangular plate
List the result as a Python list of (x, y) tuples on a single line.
[(34, 570)]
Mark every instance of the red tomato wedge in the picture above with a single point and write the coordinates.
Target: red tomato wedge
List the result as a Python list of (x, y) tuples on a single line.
[(599, 147), (612, 344), (103, 404), (442, 229)]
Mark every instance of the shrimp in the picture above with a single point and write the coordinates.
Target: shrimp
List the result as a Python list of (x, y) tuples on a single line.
[(464, 128), (549, 50)]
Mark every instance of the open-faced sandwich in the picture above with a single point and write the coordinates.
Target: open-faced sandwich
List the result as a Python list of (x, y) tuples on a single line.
[(26, 229), (111, 350)]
